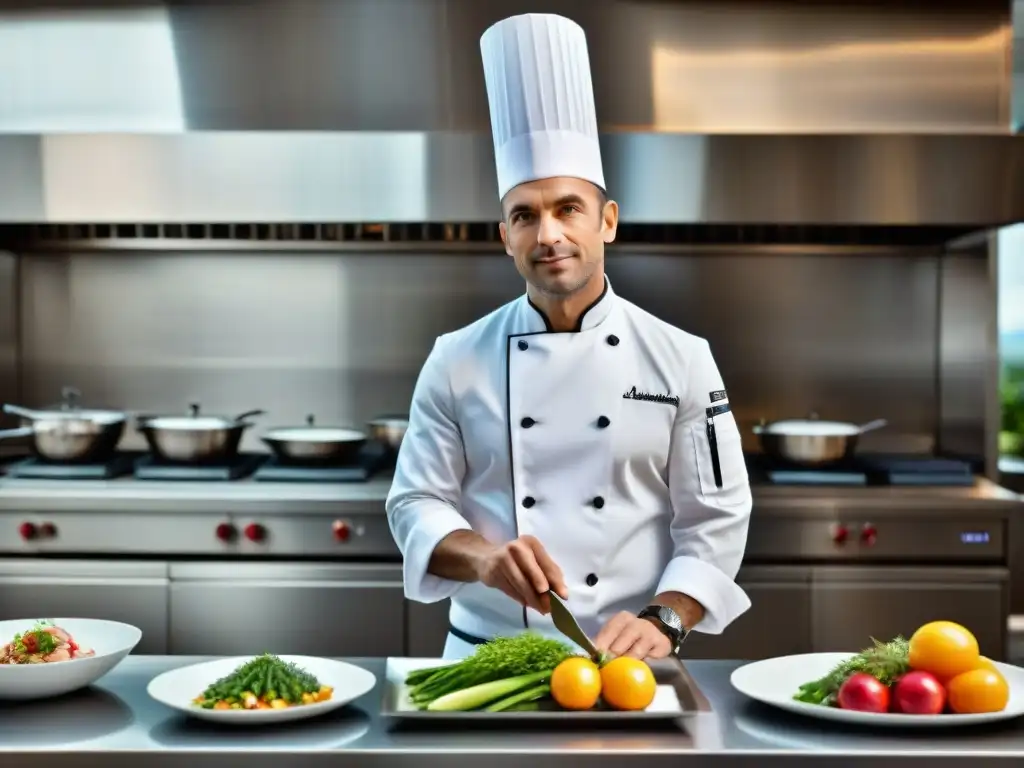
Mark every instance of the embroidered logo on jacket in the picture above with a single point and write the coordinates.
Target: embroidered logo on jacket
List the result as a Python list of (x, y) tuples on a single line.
[(718, 395), (632, 394)]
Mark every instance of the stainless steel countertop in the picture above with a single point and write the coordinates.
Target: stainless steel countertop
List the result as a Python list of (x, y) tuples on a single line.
[(116, 724), (251, 497)]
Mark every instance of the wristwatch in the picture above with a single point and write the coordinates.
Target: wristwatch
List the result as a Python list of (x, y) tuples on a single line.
[(668, 621)]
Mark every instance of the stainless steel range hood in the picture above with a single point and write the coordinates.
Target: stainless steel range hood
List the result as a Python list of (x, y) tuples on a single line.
[(374, 111)]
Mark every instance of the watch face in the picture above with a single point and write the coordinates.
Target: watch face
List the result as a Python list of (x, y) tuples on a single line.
[(671, 619)]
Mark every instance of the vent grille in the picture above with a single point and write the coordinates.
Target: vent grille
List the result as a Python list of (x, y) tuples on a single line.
[(439, 233)]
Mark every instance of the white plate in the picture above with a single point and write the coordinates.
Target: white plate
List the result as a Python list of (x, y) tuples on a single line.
[(776, 681), (178, 687), (111, 640)]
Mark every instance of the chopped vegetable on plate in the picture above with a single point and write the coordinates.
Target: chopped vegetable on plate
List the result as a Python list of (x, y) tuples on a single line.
[(265, 682)]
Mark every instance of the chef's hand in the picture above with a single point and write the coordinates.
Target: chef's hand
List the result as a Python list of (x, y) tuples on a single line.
[(524, 571), (626, 634)]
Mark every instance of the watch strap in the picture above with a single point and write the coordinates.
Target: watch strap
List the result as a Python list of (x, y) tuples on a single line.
[(668, 621)]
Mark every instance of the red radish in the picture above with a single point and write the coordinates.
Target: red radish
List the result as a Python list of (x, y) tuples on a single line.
[(919, 693), (863, 693)]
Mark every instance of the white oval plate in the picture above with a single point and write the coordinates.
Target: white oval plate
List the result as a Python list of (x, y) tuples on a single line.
[(178, 687), (776, 681), (111, 640)]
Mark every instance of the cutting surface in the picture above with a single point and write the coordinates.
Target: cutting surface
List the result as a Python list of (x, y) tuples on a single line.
[(117, 724)]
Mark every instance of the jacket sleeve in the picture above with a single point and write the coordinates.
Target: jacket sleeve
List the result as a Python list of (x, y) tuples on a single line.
[(423, 503), (711, 509)]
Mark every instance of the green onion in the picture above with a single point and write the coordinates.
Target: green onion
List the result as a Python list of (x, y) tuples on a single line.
[(481, 695), (529, 696)]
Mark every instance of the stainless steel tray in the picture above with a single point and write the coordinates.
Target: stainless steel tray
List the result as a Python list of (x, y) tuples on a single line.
[(678, 697)]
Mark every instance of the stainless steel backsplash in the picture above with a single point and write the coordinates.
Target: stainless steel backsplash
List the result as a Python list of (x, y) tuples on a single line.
[(343, 335)]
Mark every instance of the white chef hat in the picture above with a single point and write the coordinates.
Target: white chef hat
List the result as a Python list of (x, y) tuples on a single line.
[(541, 99)]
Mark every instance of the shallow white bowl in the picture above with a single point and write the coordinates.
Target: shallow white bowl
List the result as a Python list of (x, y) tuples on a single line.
[(111, 640), (178, 687)]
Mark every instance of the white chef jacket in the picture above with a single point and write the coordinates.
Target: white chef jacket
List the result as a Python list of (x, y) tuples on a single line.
[(598, 442)]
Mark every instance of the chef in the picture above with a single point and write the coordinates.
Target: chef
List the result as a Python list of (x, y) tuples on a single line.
[(568, 440)]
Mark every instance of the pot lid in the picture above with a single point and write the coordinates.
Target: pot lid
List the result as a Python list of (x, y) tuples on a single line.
[(196, 421), (810, 428), (315, 435)]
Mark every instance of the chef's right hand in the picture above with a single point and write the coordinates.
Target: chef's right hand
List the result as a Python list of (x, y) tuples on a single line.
[(524, 571)]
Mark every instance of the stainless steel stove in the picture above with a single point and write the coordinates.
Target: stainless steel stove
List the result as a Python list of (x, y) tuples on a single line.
[(294, 565)]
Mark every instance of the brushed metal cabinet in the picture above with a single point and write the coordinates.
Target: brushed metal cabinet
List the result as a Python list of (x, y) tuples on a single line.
[(287, 608), (852, 605), (426, 628), (778, 622), (133, 593)]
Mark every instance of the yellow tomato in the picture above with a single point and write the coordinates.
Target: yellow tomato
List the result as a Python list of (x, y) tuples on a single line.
[(985, 663), (943, 648), (977, 692), (576, 683), (627, 684)]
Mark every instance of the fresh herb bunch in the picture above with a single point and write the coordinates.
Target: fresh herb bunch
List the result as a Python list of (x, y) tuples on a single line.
[(266, 676), (36, 640), (528, 656), (884, 661)]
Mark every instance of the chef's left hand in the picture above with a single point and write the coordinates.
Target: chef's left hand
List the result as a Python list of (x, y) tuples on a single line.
[(628, 635)]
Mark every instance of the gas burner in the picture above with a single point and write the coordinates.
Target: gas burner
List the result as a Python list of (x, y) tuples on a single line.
[(151, 468), (864, 470), (373, 458), (39, 469)]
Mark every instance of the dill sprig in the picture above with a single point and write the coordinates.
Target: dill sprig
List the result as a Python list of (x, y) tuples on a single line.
[(884, 661), (504, 657)]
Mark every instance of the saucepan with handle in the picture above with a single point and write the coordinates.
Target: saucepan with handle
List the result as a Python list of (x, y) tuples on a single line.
[(812, 441), (315, 444), (69, 433), (195, 438)]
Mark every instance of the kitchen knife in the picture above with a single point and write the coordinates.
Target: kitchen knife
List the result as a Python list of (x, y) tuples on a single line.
[(566, 623)]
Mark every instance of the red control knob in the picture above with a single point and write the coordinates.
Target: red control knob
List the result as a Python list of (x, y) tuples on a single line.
[(840, 533), (49, 530), (868, 535), (341, 530), (27, 531), (255, 532), (225, 531)]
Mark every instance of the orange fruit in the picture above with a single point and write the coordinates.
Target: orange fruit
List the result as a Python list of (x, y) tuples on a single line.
[(576, 683), (943, 648), (627, 684), (977, 692), (985, 663)]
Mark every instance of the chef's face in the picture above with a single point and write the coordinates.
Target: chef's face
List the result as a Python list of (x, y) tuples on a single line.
[(556, 230)]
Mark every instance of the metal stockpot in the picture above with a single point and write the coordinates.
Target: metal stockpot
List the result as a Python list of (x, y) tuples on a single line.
[(310, 443), (195, 439), (812, 441), (69, 434), (389, 430)]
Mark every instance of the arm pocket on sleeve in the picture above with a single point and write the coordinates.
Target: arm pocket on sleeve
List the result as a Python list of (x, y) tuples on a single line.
[(718, 446)]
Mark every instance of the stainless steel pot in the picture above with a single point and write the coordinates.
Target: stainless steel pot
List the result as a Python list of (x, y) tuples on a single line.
[(336, 445), (69, 434), (389, 430), (812, 441), (195, 439)]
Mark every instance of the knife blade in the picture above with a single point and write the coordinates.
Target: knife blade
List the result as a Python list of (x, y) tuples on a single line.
[(566, 623)]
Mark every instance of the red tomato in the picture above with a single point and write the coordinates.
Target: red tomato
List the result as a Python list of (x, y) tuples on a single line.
[(863, 693), (919, 693)]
